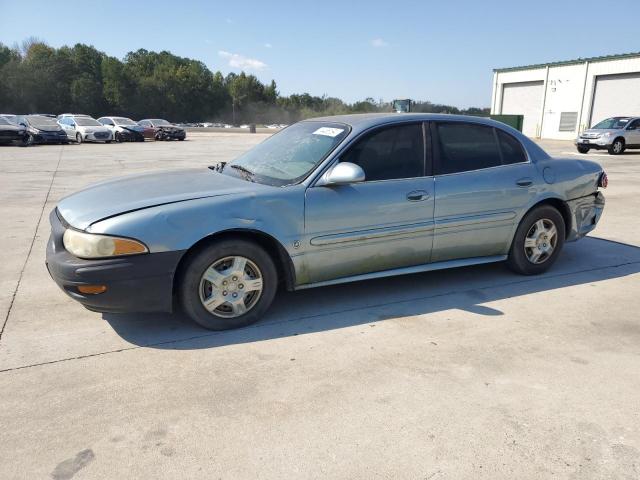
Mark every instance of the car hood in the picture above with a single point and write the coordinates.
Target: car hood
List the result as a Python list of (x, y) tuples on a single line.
[(47, 128), (594, 131), (133, 128), (114, 197), (92, 129)]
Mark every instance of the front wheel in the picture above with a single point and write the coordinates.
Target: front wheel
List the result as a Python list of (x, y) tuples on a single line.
[(27, 140), (617, 147), (78, 138), (229, 284), (118, 137), (583, 149), (537, 242)]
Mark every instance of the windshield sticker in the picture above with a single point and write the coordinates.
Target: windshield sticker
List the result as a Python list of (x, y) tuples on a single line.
[(328, 132)]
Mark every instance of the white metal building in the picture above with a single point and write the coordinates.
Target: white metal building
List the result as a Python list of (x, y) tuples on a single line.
[(560, 99)]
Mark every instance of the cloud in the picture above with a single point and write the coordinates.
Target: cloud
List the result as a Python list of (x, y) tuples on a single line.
[(240, 61), (379, 43), (267, 45)]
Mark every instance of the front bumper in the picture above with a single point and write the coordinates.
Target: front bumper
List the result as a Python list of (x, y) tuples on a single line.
[(45, 137), (137, 283), (585, 214), (97, 137), (130, 136), (601, 143)]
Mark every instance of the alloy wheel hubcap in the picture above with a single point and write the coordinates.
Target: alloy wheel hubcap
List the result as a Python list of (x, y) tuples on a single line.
[(617, 147), (231, 286), (540, 241)]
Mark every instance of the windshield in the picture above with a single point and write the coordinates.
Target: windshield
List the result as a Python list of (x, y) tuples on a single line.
[(159, 121), (10, 118), (288, 156), (38, 121), (123, 121), (614, 123), (86, 122)]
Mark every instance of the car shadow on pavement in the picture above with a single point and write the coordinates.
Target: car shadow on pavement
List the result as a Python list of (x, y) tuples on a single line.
[(294, 313)]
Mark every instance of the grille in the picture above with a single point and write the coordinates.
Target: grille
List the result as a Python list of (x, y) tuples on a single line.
[(101, 135)]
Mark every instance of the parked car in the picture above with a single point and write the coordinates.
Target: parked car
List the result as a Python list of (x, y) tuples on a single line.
[(42, 129), (164, 130), (83, 128), (615, 134), (325, 201), (10, 132), (123, 129)]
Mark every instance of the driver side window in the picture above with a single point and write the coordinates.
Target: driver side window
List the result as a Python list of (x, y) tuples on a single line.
[(390, 153)]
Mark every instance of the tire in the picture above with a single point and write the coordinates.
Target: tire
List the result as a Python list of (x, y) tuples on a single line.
[(78, 138), (583, 149), (521, 258), (108, 141), (617, 147), (181, 139), (117, 137), (28, 140), (219, 257)]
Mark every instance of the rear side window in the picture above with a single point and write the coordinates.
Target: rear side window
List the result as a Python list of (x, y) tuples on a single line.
[(390, 153), (512, 151), (464, 147)]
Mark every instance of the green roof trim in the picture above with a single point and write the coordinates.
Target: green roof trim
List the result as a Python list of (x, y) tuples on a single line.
[(576, 61)]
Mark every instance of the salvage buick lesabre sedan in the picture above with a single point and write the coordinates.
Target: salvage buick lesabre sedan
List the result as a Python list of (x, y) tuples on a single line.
[(324, 201)]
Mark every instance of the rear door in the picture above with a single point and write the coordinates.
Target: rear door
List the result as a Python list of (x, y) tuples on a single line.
[(383, 223), (483, 181)]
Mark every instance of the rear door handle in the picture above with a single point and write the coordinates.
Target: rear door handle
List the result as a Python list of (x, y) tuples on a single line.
[(417, 195), (524, 182)]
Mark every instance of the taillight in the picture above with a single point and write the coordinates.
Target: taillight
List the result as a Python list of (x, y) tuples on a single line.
[(603, 181)]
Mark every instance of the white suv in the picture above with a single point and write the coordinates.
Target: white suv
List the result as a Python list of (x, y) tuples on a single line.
[(83, 128)]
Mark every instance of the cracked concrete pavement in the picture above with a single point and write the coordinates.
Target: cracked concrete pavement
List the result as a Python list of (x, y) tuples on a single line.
[(467, 373)]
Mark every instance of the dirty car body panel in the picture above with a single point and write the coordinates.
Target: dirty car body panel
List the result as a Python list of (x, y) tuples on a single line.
[(425, 219)]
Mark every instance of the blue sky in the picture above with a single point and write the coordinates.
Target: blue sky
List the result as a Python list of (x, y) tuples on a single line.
[(443, 51)]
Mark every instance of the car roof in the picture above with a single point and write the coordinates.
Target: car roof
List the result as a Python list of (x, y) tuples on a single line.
[(363, 121)]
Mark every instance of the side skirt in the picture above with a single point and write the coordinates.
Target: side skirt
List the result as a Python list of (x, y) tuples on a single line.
[(427, 267)]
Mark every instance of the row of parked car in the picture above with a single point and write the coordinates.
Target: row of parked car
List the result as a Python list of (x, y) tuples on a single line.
[(70, 127)]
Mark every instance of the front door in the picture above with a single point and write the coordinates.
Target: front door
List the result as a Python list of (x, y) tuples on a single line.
[(383, 223), (633, 133), (483, 181)]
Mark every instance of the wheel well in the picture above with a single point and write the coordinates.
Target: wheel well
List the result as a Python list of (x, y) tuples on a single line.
[(562, 207), (273, 247), (620, 138)]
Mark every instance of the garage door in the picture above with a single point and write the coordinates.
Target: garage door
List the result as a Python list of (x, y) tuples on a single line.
[(524, 98), (616, 95)]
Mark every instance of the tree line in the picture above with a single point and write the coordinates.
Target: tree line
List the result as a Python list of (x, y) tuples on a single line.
[(35, 77)]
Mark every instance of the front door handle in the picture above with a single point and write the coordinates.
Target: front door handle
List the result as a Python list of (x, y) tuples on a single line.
[(524, 182), (417, 196)]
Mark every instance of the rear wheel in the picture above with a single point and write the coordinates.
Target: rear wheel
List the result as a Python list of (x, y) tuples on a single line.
[(617, 147), (537, 242), (583, 149), (229, 284)]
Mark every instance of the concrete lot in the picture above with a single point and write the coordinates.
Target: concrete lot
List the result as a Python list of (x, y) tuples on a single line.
[(468, 373)]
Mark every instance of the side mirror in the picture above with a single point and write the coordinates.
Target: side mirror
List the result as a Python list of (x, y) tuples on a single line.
[(342, 174)]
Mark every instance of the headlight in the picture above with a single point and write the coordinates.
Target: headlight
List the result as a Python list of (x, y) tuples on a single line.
[(89, 245)]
